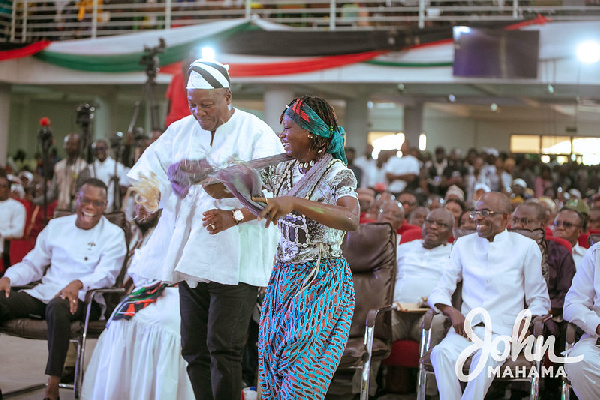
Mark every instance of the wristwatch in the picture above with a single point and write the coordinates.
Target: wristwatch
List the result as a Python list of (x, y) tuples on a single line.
[(238, 216)]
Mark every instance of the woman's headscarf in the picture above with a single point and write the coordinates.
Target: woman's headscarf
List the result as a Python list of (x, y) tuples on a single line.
[(303, 115)]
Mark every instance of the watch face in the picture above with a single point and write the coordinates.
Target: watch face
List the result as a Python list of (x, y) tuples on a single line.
[(238, 215)]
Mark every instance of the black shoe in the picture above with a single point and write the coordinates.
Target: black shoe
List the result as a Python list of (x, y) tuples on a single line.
[(1, 397), (68, 376)]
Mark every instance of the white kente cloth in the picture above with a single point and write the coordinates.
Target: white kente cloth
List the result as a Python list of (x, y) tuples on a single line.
[(243, 253), (582, 307), (141, 358)]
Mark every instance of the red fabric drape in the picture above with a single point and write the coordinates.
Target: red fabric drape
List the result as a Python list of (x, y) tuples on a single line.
[(24, 51)]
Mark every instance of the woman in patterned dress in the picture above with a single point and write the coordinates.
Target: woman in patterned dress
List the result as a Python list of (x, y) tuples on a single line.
[(309, 302)]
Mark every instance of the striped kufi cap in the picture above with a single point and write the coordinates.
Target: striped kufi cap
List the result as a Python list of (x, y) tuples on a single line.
[(208, 74)]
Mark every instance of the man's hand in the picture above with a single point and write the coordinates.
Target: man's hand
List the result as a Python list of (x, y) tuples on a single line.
[(217, 221), (5, 285), (458, 320), (71, 292)]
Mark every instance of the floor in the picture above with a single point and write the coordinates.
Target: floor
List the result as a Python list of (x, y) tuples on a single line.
[(22, 368)]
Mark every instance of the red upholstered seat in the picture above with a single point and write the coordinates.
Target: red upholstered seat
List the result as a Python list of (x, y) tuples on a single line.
[(410, 235), (405, 353), (584, 240), (562, 241)]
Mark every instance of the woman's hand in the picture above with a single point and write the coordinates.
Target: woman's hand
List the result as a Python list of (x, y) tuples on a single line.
[(276, 208), (217, 221)]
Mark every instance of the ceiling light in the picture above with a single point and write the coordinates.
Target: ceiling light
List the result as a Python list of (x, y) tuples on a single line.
[(588, 52)]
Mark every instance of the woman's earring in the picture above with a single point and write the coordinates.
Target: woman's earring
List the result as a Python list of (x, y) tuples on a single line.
[(320, 151)]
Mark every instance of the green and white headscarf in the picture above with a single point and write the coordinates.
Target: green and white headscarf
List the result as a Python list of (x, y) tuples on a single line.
[(303, 115)]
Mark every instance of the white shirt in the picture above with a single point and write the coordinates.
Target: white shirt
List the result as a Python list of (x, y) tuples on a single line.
[(94, 256), (419, 270), (105, 171), (578, 253), (500, 276), (12, 220), (582, 302), (243, 253), (370, 172), (400, 166)]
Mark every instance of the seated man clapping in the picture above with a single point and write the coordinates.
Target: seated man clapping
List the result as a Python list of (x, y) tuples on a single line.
[(84, 251)]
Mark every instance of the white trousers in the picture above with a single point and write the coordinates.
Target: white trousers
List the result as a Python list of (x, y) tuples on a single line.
[(585, 374), (443, 359)]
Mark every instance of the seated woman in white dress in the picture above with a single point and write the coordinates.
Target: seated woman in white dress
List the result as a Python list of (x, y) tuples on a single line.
[(138, 356)]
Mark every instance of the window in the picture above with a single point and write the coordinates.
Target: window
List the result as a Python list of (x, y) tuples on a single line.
[(581, 149)]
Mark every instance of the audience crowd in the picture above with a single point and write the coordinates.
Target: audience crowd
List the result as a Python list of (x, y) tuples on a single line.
[(430, 199)]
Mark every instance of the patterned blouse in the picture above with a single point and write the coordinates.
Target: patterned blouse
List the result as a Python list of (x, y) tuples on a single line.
[(301, 236)]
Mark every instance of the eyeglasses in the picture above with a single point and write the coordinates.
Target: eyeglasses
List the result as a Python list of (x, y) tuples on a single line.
[(566, 224), (96, 203), (524, 221), (431, 222), (484, 213)]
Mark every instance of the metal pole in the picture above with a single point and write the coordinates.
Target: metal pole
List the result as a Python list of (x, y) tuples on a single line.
[(94, 18), (332, 15), (248, 9), (422, 14), (515, 9), (24, 30), (168, 14), (13, 24)]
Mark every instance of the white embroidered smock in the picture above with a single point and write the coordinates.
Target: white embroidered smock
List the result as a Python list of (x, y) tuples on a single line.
[(243, 253), (301, 236)]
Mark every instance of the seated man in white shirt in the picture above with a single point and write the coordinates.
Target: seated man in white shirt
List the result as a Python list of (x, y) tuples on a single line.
[(569, 225), (582, 307), (420, 264), (85, 251), (12, 218), (500, 272)]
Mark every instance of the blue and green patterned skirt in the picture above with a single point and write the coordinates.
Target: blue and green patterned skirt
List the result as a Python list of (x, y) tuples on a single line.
[(304, 328)]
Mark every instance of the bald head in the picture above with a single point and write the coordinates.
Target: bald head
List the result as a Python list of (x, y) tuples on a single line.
[(392, 212), (437, 228), (492, 214)]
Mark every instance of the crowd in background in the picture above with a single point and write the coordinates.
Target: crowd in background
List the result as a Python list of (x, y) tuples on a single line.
[(432, 179)]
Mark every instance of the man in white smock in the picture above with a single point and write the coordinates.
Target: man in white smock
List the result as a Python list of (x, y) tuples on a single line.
[(219, 273)]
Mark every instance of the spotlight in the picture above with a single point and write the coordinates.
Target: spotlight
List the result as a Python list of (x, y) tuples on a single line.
[(451, 98), (588, 52), (208, 53), (550, 88), (494, 107)]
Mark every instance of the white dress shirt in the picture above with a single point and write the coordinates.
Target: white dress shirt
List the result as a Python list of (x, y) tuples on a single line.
[(582, 302), (578, 253), (12, 220), (400, 166), (243, 253), (94, 256), (500, 276), (105, 171), (419, 270)]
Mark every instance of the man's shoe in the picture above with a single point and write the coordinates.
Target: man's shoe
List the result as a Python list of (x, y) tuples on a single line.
[(68, 375)]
